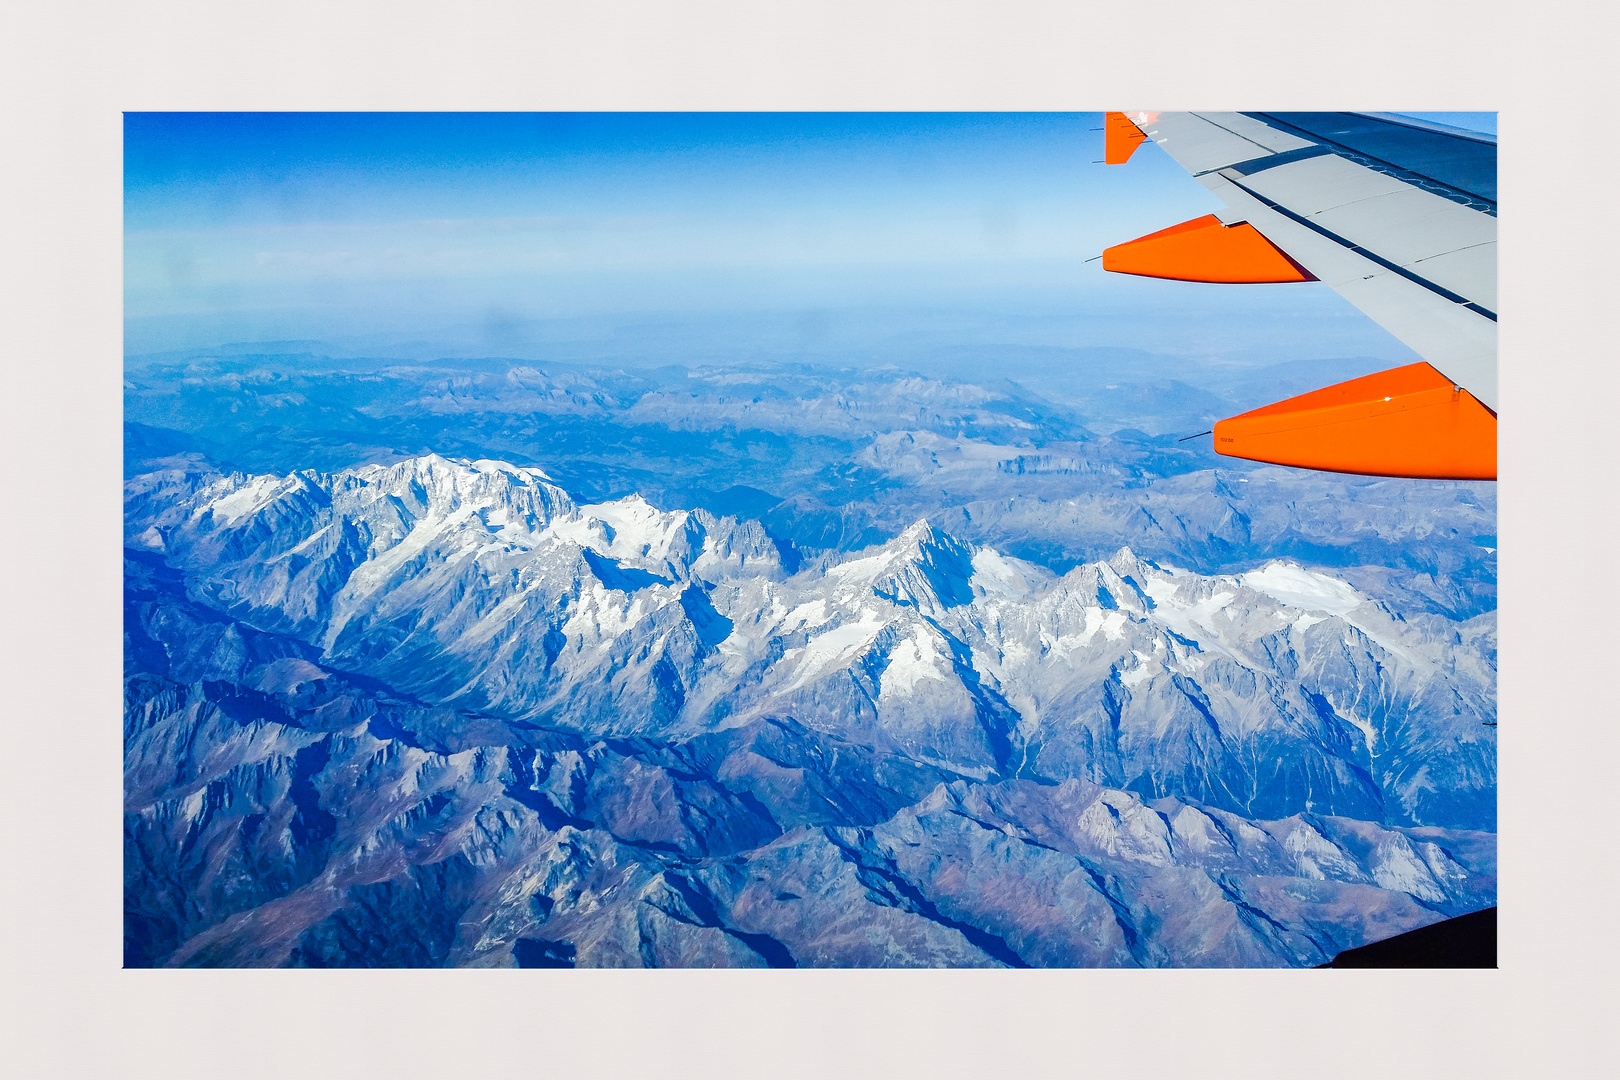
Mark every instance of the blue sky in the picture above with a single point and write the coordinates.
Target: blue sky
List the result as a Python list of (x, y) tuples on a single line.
[(243, 227)]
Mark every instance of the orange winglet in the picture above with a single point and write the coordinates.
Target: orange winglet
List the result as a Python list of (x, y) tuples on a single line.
[(1203, 249), (1408, 421), (1120, 138)]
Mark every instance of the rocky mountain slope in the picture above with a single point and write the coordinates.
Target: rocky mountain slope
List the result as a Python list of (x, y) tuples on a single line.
[(441, 712)]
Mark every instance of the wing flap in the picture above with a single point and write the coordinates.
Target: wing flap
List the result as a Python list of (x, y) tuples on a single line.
[(1409, 421), (1435, 322), (1469, 271), (1405, 226)]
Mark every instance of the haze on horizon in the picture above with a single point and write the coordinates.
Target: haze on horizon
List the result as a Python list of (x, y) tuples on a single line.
[(512, 233)]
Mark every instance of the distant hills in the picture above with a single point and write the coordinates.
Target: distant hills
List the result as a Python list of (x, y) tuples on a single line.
[(1057, 456)]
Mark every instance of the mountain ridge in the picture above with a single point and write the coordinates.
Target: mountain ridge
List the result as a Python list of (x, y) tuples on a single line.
[(529, 605), (439, 712)]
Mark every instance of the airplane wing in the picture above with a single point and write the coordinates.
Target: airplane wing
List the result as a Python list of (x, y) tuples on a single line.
[(1399, 217)]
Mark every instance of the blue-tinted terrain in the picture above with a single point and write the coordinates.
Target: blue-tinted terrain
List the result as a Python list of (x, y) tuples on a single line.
[(946, 655), (763, 540)]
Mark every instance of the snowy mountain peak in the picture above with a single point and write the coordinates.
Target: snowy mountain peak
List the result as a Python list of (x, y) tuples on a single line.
[(927, 569), (1294, 586), (435, 486), (484, 587)]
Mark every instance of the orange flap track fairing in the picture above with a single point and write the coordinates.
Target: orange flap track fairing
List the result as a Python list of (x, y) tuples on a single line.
[(1408, 421), (1120, 138), (1203, 249)]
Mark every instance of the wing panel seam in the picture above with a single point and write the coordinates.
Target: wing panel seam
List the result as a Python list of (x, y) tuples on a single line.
[(1394, 268), (1236, 134), (1452, 251)]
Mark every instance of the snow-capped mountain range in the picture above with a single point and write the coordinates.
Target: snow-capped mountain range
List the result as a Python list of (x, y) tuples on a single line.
[(607, 733), (838, 458)]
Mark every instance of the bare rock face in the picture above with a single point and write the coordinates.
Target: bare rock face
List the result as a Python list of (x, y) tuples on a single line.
[(441, 713)]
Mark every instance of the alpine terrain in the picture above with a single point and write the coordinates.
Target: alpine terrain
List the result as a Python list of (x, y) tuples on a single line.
[(441, 711)]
